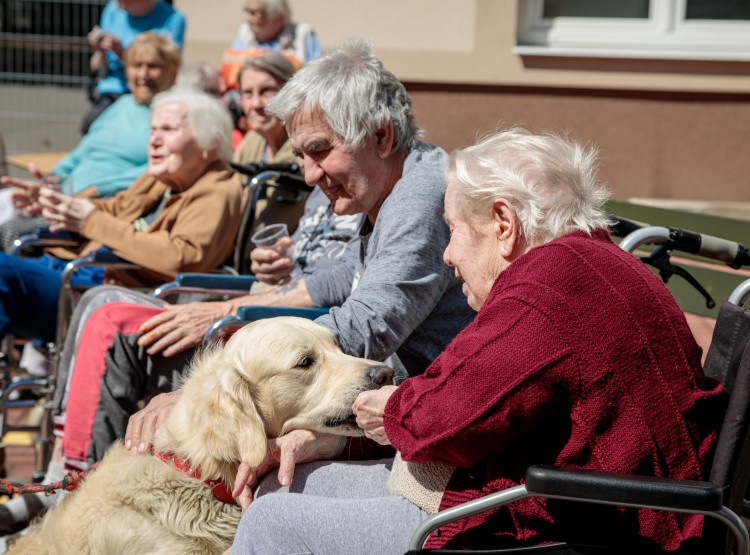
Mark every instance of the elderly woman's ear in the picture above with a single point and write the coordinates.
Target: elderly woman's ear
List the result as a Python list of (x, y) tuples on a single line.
[(506, 227)]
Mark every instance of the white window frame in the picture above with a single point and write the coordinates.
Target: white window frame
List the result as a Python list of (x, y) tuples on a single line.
[(666, 34)]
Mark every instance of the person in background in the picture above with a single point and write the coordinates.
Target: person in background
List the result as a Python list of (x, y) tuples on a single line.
[(267, 141), (115, 151), (268, 25), (260, 79), (121, 22), (579, 356), (203, 76)]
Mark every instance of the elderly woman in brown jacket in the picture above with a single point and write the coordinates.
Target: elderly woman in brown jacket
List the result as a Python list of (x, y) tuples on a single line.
[(182, 215)]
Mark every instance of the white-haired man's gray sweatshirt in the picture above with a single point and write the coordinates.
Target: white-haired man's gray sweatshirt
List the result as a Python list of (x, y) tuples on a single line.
[(405, 299)]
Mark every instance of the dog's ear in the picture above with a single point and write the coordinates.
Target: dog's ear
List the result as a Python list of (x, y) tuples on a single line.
[(251, 439)]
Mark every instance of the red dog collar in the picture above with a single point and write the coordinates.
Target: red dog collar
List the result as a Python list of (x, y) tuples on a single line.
[(219, 488)]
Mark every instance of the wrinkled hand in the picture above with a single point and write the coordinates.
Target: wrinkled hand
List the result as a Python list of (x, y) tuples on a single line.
[(64, 212), (368, 407), (180, 327), (144, 424), (298, 446), (25, 195), (273, 265)]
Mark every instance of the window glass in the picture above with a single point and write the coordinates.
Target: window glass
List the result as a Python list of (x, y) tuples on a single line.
[(717, 9), (597, 8)]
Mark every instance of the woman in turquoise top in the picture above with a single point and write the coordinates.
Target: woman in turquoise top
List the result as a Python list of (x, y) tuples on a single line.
[(121, 22), (114, 152)]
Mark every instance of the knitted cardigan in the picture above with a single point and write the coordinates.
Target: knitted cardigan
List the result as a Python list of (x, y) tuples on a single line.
[(579, 357)]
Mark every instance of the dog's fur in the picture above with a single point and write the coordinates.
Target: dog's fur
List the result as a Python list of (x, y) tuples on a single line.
[(272, 377)]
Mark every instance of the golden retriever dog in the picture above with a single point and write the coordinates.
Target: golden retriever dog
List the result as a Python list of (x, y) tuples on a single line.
[(272, 376)]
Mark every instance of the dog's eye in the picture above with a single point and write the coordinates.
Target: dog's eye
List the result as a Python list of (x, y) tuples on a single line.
[(305, 362)]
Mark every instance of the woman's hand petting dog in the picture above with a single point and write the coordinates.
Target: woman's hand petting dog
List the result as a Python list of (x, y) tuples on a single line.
[(298, 446), (144, 424), (368, 407)]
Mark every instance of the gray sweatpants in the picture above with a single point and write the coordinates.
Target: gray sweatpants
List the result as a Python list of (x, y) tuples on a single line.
[(330, 508)]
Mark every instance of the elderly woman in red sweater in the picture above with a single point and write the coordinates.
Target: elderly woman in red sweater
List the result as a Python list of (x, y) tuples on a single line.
[(579, 356)]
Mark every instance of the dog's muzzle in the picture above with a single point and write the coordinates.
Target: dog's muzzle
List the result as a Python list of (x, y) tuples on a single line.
[(378, 376), (375, 378)]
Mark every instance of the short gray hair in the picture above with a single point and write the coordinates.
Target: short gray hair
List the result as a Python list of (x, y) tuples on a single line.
[(274, 7), (354, 92), (207, 116), (549, 180)]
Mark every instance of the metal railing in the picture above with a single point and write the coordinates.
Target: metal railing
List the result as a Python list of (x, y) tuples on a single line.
[(44, 71)]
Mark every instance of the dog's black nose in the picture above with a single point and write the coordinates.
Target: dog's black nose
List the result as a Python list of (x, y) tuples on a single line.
[(380, 375)]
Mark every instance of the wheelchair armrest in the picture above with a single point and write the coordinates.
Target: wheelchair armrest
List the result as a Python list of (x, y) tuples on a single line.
[(623, 489), (216, 284), (42, 237), (247, 314), (215, 281), (604, 488), (252, 313), (102, 255)]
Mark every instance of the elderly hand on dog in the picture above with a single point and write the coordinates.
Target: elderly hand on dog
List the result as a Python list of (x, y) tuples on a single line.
[(298, 446), (301, 446)]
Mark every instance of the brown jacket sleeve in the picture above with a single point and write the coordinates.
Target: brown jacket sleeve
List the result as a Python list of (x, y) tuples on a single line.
[(195, 231)]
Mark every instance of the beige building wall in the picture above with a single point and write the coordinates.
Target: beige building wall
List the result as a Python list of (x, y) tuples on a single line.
[(667, 129)]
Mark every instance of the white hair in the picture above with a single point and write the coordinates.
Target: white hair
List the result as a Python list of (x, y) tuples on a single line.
[(207, 115), (549, 180), (355, 93)]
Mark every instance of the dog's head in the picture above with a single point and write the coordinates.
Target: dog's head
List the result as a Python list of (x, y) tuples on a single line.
[(274, 376)]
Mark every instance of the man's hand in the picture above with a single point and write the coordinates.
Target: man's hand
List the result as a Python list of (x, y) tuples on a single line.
[(298, 446), (144, 424), (273, 265), (368, 408), (64, 212), (180, 327)]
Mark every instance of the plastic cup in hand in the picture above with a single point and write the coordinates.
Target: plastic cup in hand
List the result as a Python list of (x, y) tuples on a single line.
[(270, 236)]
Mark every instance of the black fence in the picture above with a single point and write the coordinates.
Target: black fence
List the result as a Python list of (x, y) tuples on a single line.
[(44, 41)]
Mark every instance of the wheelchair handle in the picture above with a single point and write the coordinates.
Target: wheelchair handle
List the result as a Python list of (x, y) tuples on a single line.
[(254, 169), (731, 253)]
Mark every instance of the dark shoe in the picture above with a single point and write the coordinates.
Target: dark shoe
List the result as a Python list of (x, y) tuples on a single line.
[(8, 525)]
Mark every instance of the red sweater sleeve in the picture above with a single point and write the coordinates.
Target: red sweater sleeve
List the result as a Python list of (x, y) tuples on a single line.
[(498, 379)]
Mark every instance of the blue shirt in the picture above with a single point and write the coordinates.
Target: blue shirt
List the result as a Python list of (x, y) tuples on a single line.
[(112, 154), (163, 19)]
